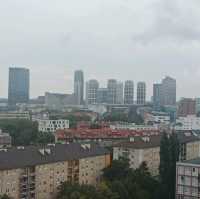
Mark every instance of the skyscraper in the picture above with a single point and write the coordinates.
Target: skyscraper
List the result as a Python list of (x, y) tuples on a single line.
[(19, 83), (168, 91), (102, 95), (128, 92), (120, 93), (112, 91), (157, 96), (79, 87), (91, 91), (141, 93)]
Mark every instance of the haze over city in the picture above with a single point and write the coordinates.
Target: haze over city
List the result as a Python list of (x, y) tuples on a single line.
[(122, 39)]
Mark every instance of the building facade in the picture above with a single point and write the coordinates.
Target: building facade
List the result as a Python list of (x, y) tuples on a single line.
[(91, 91), (186, 106), (147, 149), (120, 93), (19, 83), (102, 95), (188, 179), (141, 93), (5, 140), (52, 125), (79, 87), (157, 96), (128, 92), (12, 115), (112, 91), (21, 176), (168, 91)]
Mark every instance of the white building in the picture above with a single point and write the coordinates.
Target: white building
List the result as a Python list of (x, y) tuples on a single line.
[(52, 125), (191, 122), (133, 126), (11, 115), (157, 118)]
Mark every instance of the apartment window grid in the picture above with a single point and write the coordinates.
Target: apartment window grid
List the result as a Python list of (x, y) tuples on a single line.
[(188, 182)]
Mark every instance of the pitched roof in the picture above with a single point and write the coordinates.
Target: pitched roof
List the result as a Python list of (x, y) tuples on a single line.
[(30, 156), (154, 141)]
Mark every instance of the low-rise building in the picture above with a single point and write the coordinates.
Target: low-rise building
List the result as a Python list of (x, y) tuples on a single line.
[(157, 118), (11, 115), (188, 179), (36, 173), (147, 149), (5, 140), (189, 123), (52, 125)]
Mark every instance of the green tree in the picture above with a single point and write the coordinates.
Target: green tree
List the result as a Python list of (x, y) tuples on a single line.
[(169, 155)]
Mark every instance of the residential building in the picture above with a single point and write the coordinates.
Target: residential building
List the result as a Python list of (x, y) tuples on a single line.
[(188, 179), (112, 91), (147, 149), (5, 140), (186, 106), (141, 93), (52, 125), (91, 91), (128, 92), (157, 96), (36, 172), (102, 95), (155, 117), (168, 91), (18, 91), (191, 122), (11, 115), (120, 93), (79, 87)]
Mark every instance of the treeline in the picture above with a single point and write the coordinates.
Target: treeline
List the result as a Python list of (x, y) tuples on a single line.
[(25, 132)]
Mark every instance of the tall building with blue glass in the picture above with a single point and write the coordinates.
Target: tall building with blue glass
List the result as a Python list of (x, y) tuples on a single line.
[(19, 83)]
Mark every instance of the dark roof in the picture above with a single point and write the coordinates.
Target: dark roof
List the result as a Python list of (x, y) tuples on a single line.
[(154, 141), (193, 161), (30, 155)]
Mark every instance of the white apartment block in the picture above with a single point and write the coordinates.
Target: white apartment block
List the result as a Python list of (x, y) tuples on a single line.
[(134, 127), (191, 122), (52, 125)]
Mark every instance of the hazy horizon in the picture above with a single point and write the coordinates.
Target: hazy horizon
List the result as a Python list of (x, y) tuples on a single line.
[(121, 39)]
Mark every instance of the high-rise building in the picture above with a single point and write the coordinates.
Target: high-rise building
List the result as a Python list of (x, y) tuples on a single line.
[(141, 93), (18, 91), (168, 91), (120, 93), (112, 91), (186, 106), (128, 92), (79, 87), (102, 95), (91, 91), (157, 96)]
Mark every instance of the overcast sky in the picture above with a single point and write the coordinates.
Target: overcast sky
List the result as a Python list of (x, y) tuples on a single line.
[(123, 39)]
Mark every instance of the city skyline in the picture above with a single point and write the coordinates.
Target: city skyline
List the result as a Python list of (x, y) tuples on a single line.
[(123, 39), (102, 84)]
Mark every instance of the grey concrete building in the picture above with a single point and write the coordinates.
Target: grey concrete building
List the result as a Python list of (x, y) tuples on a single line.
[(79, 87), (141, 93), (91, 91), (128, 92)]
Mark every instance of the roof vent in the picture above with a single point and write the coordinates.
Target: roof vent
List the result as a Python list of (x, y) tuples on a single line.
[(3, 150), (42, 152), (48, 151), (20, 147)]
